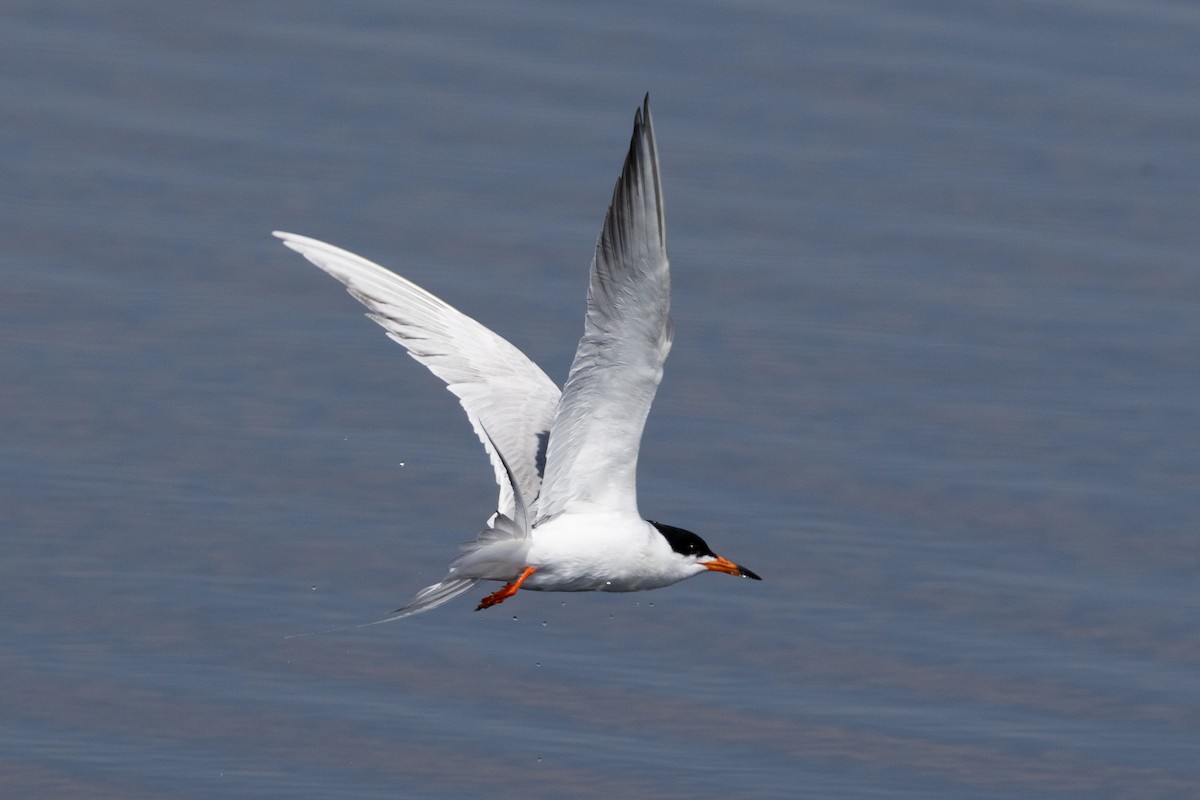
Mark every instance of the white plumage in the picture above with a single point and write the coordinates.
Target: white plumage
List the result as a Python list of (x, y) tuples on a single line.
[(566, 463)]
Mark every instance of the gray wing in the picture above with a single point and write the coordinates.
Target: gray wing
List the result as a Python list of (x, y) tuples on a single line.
[(591, 464), (498, 386)]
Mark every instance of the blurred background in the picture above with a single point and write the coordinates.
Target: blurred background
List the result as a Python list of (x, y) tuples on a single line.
[(936, 377)]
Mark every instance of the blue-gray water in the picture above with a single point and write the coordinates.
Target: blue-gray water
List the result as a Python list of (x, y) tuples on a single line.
[(936, 377)]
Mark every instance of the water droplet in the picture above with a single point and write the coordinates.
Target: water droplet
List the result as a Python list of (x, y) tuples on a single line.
[(543, 623), (314, 588), (514, 617), (539, 759), (608, 583), (538, 664), (402, 463)]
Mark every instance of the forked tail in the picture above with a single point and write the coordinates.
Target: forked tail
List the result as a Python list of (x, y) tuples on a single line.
[(431, 597)]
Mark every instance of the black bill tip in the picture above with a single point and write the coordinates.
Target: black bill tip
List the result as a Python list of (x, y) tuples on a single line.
[(745, 573)]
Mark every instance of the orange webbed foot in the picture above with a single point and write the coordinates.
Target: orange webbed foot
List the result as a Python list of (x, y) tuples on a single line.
[(506, 591)]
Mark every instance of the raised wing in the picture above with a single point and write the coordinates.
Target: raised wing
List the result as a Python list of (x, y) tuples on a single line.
[(592, 461), (498, 386)]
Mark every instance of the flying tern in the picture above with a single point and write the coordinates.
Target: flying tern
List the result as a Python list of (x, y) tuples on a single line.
[(566, 461)]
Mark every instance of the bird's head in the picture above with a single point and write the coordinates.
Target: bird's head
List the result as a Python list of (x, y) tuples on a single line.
[(691, 547)]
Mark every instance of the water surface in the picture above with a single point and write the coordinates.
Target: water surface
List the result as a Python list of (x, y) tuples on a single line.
[(937, 304)]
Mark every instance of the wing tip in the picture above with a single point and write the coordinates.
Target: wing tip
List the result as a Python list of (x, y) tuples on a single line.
[(641, 114), (639, 175), (294, 241)]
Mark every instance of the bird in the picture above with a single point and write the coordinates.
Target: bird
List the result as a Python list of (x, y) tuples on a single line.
[(567, 517)]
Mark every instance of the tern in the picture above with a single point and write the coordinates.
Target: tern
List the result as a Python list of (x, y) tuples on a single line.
[(566, 461)]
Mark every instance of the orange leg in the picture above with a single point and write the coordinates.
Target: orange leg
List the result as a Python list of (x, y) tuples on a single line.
[(506, 591)]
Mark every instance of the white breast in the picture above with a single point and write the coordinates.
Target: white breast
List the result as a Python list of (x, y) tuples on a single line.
[(608, 552)]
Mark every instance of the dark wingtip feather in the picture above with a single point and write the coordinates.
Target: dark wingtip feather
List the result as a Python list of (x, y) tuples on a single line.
[(639, 182)]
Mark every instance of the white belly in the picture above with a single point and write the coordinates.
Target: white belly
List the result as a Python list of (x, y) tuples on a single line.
[(600, 552)]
